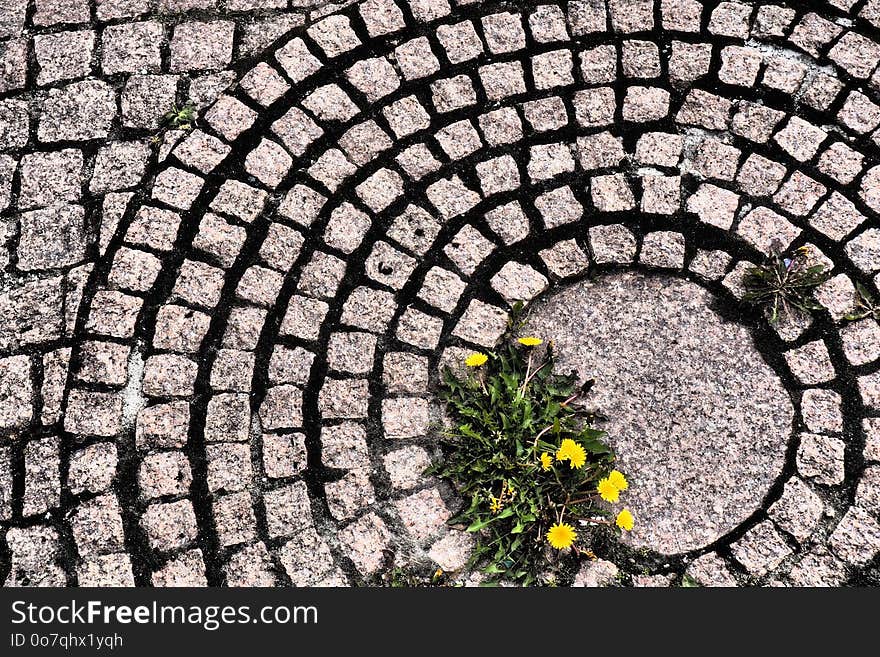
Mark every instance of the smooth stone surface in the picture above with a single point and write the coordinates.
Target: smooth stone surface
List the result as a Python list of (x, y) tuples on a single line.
[(698, 420)]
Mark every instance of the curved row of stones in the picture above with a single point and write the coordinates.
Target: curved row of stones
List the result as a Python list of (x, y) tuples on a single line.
[(250, 401)]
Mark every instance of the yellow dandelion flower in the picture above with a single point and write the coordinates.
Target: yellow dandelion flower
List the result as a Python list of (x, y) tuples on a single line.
[(494, 504), (546, 460), (561, 535), (530, 341), (618, 480), (608, 491), (625, 520), (577, 456), (566, 449), (476, 360)]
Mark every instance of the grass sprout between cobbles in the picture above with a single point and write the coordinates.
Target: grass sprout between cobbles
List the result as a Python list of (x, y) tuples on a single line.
[(522, 453), (784, 283), (180, 118), (865, 306)]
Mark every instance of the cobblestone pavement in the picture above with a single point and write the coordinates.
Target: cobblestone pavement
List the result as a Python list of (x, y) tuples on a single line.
[(219, 346)]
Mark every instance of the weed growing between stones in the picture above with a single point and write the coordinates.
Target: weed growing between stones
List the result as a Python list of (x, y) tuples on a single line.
[(522, 453), (407, 577), (865, 305), (784, 283), (180, 118), (688, 582)]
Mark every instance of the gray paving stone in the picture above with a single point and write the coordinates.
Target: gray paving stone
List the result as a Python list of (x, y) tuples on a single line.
[(868, 491), (594, 574), (663, 249), (762, 226), (594, 107), (856, 539), (711, 570), (307, 559), (97, 526), (78, 112), (518, 282), (481, 323), (60, 56), (703, 109), (365, 540), (132, 48), (419, 329), (146, 98), (52, 177), (92, 468), (761, 549), (404, 372), (229, 467), (819, 568), (714, 205), (784, 74), (169, 375), (287, 510), (51, 237), (821, 458), (864, 250), (343, 398), (283, 455), (16, 390), (405, 417), (710, 265), (468, 249), (163, 425), (105, 571), (406, 466), (201, 45), (53, 12), (250, 566), (119, 165), (688, 63), (35, 557), (13, 17), (42, 478), (442, 289), (798, 511), (861, 341), (184, 569), (869, 388), (424, 514), (170, 525), (232, 370), (559, 206), (612, 244), (821, 410), (661, 194), (164, 473)]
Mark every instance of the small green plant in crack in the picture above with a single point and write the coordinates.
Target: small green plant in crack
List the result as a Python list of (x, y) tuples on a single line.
[(410, 576), (180, 118), (784, 283), (522, 453), (865, 305), (688, 582)]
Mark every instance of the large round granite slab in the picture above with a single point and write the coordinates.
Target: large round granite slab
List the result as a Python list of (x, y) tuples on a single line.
[(699, 420)]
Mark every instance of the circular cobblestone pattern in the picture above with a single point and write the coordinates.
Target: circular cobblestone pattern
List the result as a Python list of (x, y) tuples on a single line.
[(220, 337)]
